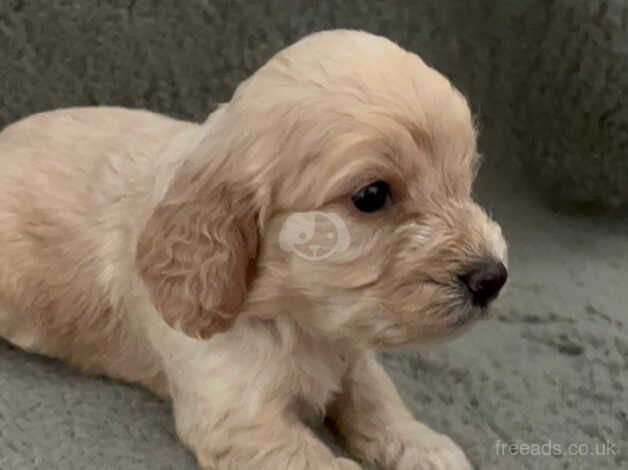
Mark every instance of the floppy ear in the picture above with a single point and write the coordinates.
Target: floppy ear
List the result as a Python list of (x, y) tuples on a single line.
[(197, 251)]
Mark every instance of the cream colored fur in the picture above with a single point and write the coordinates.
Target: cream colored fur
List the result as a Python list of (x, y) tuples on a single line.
[(147, 249)]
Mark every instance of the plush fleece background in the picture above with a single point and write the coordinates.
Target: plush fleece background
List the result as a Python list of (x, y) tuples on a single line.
[(549, 82)]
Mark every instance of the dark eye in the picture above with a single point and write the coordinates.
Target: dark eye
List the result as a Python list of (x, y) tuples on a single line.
[(371, 198)]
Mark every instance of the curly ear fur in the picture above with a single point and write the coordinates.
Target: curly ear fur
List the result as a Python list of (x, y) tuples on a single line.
[(196, 251)]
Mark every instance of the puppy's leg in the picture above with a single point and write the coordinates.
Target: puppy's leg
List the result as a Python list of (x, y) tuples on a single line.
[(261, 439), (235, 408), (379, 428)]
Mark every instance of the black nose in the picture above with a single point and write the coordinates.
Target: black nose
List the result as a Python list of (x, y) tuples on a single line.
[(484, 281)]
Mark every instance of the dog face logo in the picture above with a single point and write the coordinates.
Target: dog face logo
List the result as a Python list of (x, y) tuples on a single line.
[(314, 235)]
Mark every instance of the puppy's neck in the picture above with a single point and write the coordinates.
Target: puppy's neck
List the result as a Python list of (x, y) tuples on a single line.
[(290, 312)]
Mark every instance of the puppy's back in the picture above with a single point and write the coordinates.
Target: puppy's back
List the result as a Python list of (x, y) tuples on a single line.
[(74, 184)]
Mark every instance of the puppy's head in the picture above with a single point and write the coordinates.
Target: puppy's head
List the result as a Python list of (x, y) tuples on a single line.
[(357, 161)]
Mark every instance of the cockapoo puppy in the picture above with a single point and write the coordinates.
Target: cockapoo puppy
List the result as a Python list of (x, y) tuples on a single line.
[(248, 267)]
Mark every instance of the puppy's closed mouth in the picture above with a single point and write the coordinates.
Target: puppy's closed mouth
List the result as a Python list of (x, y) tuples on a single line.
[(466, 316)]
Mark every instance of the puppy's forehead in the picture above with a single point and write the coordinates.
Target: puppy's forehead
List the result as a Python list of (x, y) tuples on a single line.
[(357, 103), (391, 92), (367, 74)]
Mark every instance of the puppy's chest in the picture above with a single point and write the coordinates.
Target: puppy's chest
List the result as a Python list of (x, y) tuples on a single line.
[(318, 377)]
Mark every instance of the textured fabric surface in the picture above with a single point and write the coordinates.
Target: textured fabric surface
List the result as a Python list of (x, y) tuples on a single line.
[(548, 80), (568, 69)]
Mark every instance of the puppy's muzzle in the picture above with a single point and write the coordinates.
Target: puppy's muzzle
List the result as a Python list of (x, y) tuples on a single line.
[(484, 280)]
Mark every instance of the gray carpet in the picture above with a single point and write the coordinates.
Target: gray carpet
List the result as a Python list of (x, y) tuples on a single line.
[(548, 79)]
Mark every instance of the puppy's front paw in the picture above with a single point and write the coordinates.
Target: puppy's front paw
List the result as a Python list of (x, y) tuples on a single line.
[(432, 451)]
